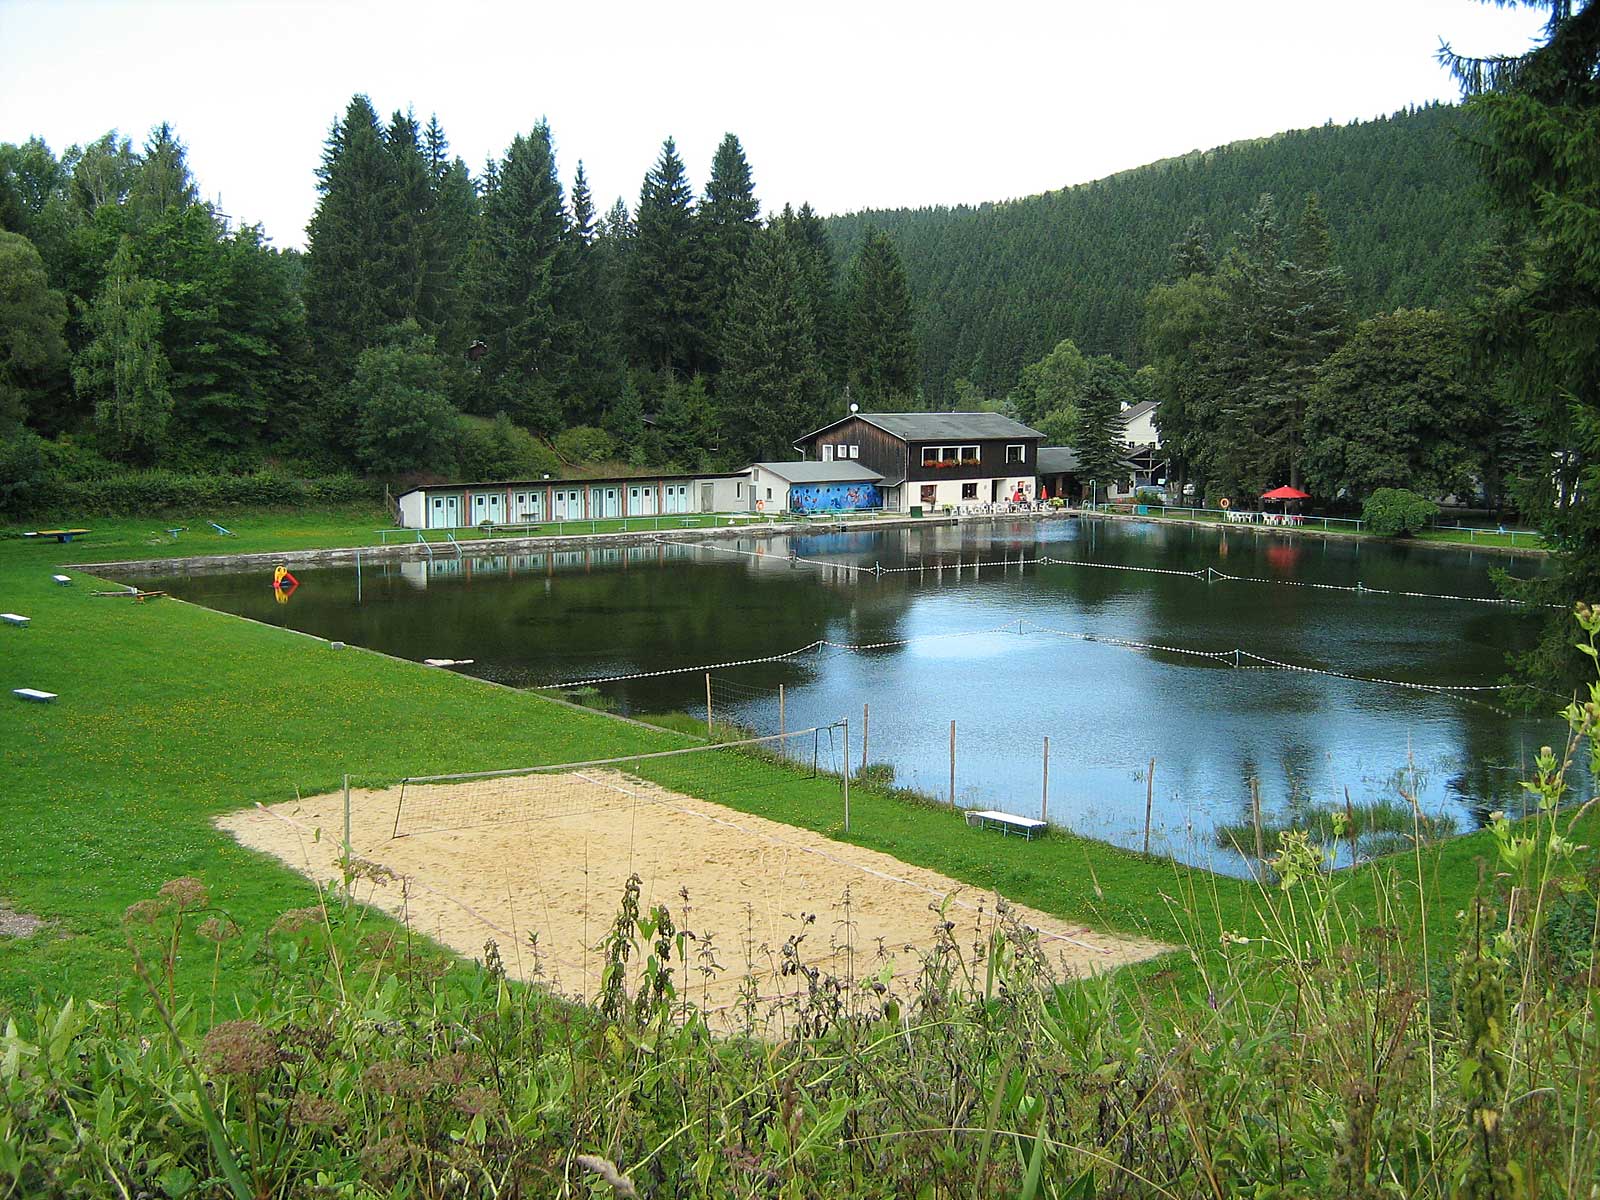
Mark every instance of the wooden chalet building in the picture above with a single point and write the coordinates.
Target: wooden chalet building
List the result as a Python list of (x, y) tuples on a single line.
[(932, 459)]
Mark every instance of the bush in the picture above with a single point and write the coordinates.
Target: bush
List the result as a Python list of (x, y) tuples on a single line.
[(1395, 512), (22, 469), (500, 449), (585, 444)]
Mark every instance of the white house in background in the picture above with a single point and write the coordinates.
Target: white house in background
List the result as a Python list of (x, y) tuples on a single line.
[(1142, 441)]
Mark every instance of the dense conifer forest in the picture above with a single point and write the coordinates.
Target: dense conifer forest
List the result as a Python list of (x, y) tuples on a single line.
[(996, 286)]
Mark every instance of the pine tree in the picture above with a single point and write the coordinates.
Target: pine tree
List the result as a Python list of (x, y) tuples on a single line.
[(597, 369), (727, 223), (808, 233), (1539, 121), (771, 389), (351, 290), (664, 270), (882, 351), (1097, 435), (162, 180), (526, 269)]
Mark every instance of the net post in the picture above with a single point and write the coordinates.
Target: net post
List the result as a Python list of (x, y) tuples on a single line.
[(1044, 795), (1149, 800), (865, 715), (399, 808), (846, 774), (952, 766), (780, 710), (346, 865), (709, 736)]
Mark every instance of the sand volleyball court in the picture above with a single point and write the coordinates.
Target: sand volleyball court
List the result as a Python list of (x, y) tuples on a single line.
[(557, 868)]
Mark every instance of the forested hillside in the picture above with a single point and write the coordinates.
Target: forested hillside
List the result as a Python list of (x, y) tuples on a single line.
[(998, 285)]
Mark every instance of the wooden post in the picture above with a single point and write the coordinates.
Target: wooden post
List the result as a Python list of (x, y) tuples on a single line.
[(865, 716), (347, 855), (1255, 816), (708, 706), (1044, 795), (847, 774), (780, 711), (1149, 799), (952, 764)]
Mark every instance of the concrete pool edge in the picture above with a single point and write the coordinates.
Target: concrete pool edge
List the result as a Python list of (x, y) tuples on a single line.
[(410, 551)]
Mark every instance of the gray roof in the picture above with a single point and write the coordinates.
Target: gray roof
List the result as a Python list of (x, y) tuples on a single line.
[(812, 471), (1134, 411), (941, 426), (1057, 460)]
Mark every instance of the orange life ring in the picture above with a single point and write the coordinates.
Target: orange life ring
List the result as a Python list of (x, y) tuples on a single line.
[(761, 506), (1223, 503)]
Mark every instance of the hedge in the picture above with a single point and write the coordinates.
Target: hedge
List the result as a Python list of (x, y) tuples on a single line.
[(161, 491)]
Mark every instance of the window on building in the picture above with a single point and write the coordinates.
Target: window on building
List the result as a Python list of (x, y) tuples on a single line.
[(769, 493), (855, 451), (738, 491), (949, 456), (969, 491), (1017, 454), (827, 451)]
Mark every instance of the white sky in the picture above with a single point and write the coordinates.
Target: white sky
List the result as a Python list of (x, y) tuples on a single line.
[(849, 106)]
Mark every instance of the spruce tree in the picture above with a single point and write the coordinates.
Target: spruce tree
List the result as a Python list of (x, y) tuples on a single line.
[(162, 180), (882, 351), (771, 389), (526, 268), (597, 369), (1097, 436), (728, 221), (351, 291), (1538, 118), (664, 270), (809, 235)]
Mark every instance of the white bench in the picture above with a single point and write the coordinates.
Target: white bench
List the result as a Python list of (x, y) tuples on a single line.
[(14, 619), (1006, 823), (63, 580), (33, 694)]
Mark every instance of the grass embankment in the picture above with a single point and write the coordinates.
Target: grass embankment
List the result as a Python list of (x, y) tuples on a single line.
[(170, 714)]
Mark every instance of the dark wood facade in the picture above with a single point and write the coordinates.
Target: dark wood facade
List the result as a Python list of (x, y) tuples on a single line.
[(899, 460)]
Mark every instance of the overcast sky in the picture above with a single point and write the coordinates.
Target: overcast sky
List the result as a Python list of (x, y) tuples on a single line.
[(849, 106)]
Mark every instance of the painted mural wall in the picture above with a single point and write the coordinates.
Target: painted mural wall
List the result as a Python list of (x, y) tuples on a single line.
[(834, 497)]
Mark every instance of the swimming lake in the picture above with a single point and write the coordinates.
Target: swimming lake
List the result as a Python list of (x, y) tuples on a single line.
[(1126, 648)]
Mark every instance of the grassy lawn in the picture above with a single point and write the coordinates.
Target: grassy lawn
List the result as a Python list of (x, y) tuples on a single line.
[(170, 714), (1521, 539)]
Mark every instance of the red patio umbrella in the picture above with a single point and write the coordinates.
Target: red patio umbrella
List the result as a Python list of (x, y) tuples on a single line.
[(1286, 493)]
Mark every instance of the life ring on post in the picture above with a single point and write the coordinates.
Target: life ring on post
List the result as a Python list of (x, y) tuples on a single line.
[(1223, 503), (761, 506)]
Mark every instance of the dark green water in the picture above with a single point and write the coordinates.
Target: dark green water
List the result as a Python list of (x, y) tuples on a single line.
[(553, 617)]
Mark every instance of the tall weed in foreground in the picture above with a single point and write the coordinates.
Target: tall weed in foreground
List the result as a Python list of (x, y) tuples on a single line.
[(1329, 1049)]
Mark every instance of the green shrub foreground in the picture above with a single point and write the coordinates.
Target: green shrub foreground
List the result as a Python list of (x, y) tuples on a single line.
[(1333, 1053)]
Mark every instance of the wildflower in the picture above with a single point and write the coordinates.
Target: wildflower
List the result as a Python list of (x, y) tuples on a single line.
[(144, 912), (476, 1102), (297, 920), (389, 1156), (240, 1049), (394, 1078), (217, 929), (317, 1112), (186, 891), (453, 1070)]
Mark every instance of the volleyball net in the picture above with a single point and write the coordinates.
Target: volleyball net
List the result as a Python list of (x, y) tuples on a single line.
[(717, 771)]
